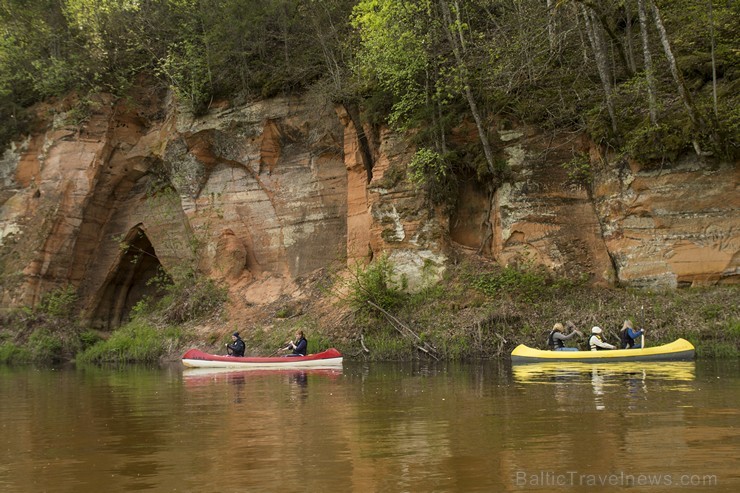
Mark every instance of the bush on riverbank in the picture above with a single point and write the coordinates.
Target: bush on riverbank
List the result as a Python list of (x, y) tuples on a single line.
[(48, 333), (51, 332), (137, 341)]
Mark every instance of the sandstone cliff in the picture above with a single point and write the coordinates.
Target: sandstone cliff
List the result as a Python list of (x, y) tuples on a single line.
[(264, 195)]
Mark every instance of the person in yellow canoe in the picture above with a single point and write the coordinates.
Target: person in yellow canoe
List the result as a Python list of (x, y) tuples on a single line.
[(556, 339), (629, 337), (596, 343)]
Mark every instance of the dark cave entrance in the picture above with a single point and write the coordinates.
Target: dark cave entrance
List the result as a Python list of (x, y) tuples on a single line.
[(129, 281)]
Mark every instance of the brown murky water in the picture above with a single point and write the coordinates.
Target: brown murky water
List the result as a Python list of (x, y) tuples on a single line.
[(376, 428)]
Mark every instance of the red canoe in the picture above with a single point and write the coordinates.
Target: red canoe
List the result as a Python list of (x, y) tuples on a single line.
[(194, 358)]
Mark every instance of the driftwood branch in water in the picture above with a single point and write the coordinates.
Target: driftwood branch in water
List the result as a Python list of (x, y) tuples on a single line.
[(405, 331), (362, 343)]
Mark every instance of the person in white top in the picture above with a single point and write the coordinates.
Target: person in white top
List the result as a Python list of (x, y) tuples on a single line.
[(596, 343)]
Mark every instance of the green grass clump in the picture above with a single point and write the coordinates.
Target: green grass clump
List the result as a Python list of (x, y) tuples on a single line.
[(45, 345), (10, 353), (137, 341)]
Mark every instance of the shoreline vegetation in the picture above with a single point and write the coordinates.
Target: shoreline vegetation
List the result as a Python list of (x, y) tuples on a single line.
[(472, 314)]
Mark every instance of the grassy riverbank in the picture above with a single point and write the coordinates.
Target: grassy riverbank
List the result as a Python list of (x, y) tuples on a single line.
[(479, 313), (474, 313)]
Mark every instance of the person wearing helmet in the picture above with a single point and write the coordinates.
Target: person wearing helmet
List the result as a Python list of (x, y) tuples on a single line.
[(596, 343)]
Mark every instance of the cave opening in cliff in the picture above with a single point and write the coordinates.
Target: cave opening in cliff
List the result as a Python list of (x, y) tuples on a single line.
[(130, 281)]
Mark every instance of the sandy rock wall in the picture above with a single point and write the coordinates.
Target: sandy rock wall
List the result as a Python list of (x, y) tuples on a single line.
[(254, 195), (262, 195), (672, 226), (626, 224)]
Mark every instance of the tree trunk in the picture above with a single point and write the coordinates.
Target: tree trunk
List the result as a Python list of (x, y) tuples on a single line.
[(696, 121), (628, 35), (647, 56), (599, 15), (714, 61), (602, 63), (551, 25), (458, 28), (456, 49)]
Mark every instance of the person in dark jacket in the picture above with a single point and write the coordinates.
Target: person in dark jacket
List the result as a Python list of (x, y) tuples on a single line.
[(237, 346), (629, 337), (299, 345)]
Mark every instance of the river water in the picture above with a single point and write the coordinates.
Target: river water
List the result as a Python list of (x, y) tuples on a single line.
[(373, 428)]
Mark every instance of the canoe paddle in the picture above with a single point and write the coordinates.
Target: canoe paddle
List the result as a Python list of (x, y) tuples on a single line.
[(278, 350), (642, 336)]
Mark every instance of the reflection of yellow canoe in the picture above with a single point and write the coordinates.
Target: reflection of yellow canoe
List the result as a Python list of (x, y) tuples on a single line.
[(678, 350), (668, 370)]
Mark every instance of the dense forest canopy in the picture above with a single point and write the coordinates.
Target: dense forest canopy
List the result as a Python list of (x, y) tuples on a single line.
[(649, 78)]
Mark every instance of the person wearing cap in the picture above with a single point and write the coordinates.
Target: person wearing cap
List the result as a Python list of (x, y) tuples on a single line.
[(629, 336), (596, 343), (237, 346), (556, 339)]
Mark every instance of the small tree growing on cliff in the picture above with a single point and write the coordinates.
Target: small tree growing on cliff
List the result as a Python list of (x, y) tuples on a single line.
[(376, 283)]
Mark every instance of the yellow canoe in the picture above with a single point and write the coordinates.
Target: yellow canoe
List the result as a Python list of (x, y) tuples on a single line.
[(678, 350)]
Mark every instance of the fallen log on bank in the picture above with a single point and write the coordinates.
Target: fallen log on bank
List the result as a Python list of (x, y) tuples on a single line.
[(406, 332)]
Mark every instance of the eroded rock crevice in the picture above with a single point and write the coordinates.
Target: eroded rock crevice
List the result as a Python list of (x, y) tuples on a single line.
[(129, 281)]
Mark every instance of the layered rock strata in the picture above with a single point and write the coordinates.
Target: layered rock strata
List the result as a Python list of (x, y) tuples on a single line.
[(265, 194)]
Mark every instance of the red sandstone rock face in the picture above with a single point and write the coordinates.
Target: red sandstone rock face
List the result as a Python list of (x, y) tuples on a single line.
[(266, 194), (672, 227)]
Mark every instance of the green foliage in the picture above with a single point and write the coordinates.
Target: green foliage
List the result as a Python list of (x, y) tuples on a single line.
[(529, 283), (186, 67), (717, 350), (395, 59), (431, 171), (725, 344), (187, 296), (89, 338), (137, 341), (733, 329), (191, 298), (392, 53), (11, 353), (48, 332), (45, 345), (386, 344), (59, 303), (712, 312), (376, 283), (284, 312), (658, 143), (318, 343), (579, 169), (457, 347)]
